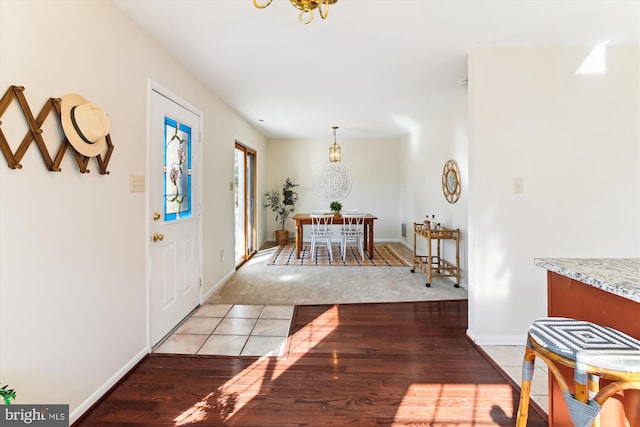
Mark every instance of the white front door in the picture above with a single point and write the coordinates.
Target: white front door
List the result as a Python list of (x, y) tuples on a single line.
[(174, 207)]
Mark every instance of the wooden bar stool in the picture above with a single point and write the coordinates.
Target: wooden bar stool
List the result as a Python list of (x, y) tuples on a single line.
[(593, 351)]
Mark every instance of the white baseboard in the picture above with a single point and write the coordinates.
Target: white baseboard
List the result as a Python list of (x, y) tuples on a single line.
[(102, 390), (217, 286)]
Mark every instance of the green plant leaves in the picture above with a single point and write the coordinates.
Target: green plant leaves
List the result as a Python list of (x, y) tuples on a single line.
[(7, 394)]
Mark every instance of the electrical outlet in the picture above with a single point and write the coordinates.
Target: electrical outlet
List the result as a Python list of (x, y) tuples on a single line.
[(221, 254)]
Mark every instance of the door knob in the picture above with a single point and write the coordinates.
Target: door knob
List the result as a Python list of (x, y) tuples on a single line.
[(156, 216), (157, 237)]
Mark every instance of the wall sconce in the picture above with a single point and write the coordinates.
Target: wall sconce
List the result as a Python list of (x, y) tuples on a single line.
[(335, 152)]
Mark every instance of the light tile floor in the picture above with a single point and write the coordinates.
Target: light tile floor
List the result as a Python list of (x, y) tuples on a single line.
[(231, 330), (258, 330), (509, 358)]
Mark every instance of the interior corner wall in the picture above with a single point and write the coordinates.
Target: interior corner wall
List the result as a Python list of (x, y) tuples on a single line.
[(574, 141), (374, 167), (73, 261), (428, 147)]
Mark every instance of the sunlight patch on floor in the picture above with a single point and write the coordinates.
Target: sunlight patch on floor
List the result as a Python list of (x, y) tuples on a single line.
[(479, 407), (245, 386), (230, 398), (308, 337)]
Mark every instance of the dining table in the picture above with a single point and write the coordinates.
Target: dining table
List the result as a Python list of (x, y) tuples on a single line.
[(302, 219)]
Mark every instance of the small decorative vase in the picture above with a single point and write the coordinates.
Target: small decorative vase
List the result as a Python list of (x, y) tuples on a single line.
[(337, 215)]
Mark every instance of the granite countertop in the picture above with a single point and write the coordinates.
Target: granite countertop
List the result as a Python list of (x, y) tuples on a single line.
[(619, 276)]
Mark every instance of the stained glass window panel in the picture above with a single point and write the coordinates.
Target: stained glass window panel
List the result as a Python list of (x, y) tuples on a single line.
[(177, 170)]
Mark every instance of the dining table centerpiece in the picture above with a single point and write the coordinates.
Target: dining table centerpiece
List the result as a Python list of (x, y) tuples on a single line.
[(336, 207)]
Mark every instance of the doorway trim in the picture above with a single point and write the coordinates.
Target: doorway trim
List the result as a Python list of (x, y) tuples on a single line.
[(248, 192), (153, 86)]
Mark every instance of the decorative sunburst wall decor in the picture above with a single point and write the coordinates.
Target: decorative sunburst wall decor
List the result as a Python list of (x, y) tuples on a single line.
[(333, 182)]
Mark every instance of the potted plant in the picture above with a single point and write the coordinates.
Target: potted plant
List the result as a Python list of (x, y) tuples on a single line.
[(7, 394), (336, 207), (283, 202)]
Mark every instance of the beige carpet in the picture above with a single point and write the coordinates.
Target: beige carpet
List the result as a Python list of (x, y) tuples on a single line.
[(384, 256), (258, 283)]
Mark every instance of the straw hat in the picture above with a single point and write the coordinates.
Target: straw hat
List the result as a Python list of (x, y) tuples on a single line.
[(85, 125)]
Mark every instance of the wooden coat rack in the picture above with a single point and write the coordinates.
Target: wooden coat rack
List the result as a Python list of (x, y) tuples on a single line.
[(35, 134)]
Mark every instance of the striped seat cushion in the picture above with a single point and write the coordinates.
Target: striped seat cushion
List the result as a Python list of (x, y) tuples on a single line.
[(587, 343)]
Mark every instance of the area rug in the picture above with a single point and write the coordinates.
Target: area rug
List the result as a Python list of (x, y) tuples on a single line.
[(384, 256)]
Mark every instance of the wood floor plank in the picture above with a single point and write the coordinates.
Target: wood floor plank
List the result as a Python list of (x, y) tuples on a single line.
[(391, 364)]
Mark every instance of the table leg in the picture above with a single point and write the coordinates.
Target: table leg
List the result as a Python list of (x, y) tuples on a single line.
[(299, 236), (365, 236), (371, 240)]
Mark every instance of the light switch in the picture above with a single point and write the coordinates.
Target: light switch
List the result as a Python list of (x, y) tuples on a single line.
[(517, 185), (136, 183)]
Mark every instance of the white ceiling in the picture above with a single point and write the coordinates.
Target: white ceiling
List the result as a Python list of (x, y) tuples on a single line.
[(373, 67)]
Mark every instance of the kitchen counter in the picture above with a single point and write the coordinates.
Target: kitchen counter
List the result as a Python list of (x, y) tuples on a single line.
[(618, 276), (606, 292)]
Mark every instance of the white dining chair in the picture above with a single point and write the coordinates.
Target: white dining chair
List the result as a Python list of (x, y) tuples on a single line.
[(352, 231), (321, 232)]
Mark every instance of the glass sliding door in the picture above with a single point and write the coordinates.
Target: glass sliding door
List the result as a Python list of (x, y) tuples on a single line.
[(245, 203), (250, 212)]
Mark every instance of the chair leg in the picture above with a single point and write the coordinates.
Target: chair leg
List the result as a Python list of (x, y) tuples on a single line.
[(313, 248), (528, 365), (594, 388)]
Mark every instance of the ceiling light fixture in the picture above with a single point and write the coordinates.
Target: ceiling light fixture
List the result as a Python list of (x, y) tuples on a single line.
[(306, 8), (335, 152)]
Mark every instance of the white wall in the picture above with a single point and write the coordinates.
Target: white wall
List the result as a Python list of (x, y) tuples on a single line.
[(575, 142), (73, 247), (375, 168), (429, 147)]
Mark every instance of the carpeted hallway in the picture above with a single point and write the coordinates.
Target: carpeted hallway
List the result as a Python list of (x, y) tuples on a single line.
[(257, 283)]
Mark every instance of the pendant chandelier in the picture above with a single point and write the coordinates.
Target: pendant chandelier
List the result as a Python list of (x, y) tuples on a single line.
[(335, 152), (306, 8)]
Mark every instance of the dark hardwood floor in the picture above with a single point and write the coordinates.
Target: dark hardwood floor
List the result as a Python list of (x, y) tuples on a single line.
[(390, 364)]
